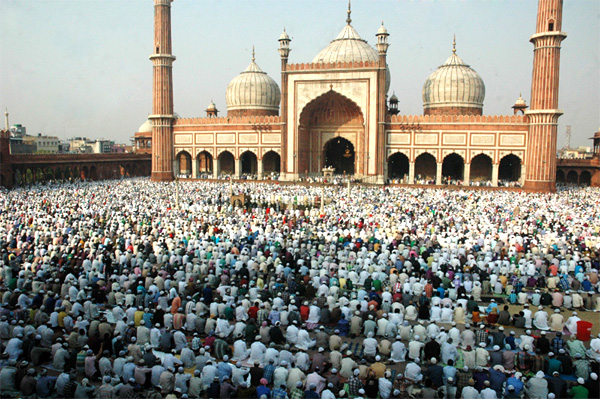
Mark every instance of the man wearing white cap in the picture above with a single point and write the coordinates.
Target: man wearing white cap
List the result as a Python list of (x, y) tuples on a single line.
[(557, 321), (540, 319), (571, 323), (579, 390), (526, 339), (594, 351), (537, 386)]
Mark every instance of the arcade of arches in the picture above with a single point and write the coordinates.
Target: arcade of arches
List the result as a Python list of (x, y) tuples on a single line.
[(331, 134), (453, 170), (574, 177), (204, 165), (31, 175)]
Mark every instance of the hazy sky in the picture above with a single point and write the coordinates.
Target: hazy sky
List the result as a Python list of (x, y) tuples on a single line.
[(80, 67)]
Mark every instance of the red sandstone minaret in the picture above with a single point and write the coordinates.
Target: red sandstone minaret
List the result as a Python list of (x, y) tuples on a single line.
[(162, 94), (544, 113), (382, 48)]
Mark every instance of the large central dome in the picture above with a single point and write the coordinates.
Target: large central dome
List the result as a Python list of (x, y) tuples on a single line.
[(348, 46)]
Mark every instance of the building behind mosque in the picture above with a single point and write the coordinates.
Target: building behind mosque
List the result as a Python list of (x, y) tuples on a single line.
[(334, 112)]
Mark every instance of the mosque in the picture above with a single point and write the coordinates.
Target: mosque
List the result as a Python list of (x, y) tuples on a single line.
[(334, 112)]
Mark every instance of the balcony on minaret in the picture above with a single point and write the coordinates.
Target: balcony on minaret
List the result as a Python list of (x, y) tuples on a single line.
[(284, 45), (211, 110), (382, 43), (393, 105), (520, 106)]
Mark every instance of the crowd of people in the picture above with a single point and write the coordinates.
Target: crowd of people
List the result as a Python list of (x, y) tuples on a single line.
[(123, 289)]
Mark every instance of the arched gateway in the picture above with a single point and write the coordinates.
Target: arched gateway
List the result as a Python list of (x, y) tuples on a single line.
[(331, 133)]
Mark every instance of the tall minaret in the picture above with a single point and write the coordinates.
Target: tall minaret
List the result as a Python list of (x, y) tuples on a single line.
[(382, 48), (6, 126), (162, 94), (543, 113), (284, 53)]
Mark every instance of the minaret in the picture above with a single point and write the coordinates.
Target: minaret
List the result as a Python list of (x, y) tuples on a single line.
[(6, 125), (382, 48), (162, 94), (543, 113), (284, 53)]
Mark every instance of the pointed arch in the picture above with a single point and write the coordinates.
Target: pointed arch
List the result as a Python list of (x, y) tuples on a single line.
[(572, 177), (425, 167), (205, 162), (398, 166), (249, 162), (226, 163), (585, 178), (453, 168), (183, 163), (271, 163), (481, 168), (330, 115), (509, 168)]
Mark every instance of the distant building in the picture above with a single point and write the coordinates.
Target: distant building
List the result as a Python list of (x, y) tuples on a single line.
[(580, 152), (121, 148), (47, 144), (18, 131), (83, 145), (20, 142), (64, 147)]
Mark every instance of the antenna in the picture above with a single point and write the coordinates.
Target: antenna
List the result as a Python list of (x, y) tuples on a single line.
[(568, 137)]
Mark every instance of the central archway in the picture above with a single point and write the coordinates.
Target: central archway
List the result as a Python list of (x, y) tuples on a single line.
[(339, 154), (323, 121)]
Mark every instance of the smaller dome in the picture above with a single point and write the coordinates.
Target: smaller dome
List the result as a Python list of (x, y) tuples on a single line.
[(382, 30), (394, 98), (211, 106), (284, 36), (254, 91), (146, 127), (454, 87), (520, 101)]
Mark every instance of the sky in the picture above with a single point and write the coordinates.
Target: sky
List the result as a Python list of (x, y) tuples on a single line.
[(80, 67)]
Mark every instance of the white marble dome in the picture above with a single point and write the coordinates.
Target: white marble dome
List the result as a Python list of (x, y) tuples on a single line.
[(454, 84), (348, 46), (253, 89), (146, 127)]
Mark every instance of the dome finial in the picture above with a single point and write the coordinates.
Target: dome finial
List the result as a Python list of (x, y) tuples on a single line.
[(454, 45), (348, 20), (253, 55)]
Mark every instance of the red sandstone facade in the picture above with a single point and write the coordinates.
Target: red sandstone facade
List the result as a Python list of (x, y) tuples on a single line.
[(320, 106)]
